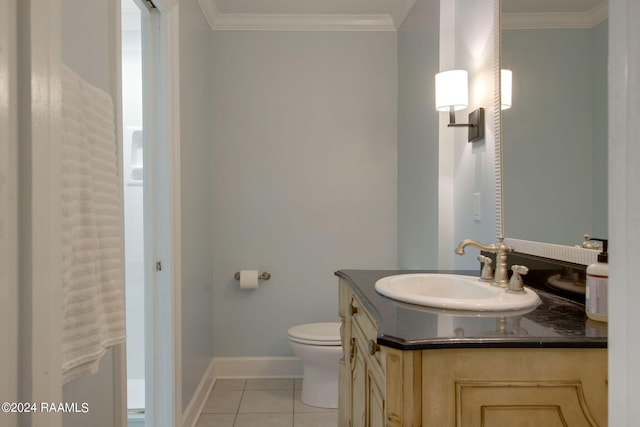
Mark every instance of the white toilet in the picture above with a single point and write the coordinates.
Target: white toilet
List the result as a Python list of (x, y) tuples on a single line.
[(319, 347)]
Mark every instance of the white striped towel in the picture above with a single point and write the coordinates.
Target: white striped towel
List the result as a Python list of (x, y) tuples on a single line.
[(92, 235)]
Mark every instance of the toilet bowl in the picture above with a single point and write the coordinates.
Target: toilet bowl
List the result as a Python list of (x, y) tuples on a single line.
[(318, 346)]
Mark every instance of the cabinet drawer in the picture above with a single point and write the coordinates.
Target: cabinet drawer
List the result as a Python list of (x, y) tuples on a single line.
[(367, 328)]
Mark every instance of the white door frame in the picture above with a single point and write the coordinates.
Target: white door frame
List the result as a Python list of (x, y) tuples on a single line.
[(38, 128), (9, 205), (39, 121), (162, 225), (624, 204)]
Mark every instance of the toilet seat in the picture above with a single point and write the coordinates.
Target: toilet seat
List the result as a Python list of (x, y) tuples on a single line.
[(320, 334)]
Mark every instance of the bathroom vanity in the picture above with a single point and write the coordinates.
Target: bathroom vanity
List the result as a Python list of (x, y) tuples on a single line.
[(408, 365)]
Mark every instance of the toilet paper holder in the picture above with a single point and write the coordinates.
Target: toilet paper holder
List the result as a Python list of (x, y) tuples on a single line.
[(264, 276)]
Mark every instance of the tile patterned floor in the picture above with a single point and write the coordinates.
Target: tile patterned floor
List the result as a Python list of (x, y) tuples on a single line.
[(263, 403)]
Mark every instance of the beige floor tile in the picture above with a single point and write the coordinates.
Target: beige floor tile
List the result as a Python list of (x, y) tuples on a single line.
[(300, 407), (223, 402), (269, 384), (264, 420), (216, 420), (316, 420), (262, 403), (267, 401), (230, 384)]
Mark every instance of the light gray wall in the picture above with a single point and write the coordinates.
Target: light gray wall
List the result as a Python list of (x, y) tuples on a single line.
[(473, 163), (418, 63), (196, 197), (555, 131), (304, 176)]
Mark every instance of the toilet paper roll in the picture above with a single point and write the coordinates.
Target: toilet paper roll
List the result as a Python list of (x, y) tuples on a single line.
[(248, 279)]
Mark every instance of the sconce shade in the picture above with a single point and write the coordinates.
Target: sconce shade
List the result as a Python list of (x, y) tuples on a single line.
[(506, 77), (452, 90)]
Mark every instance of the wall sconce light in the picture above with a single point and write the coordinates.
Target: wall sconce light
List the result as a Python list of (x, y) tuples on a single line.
[(452, 94), (506, 77)]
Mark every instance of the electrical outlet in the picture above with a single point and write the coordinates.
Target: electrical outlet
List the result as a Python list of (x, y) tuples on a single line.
[(477, 203)]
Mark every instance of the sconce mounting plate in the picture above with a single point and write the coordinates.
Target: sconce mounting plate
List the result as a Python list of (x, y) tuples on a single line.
[(476, 122), (475, 125)]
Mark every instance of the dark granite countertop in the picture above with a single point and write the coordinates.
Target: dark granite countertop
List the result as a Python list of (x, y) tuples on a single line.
[(556, 323)]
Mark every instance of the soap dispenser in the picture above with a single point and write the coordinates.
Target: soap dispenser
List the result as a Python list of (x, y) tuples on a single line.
[(597, 284)]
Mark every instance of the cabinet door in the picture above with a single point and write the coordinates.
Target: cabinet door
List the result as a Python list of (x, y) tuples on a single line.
[(514, 387), (344, 365), (522, 403), (358, 383), (375, 402)]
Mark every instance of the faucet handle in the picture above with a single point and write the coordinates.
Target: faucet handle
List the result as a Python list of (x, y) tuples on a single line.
[(487, 273), (516, 284), (520, 269)]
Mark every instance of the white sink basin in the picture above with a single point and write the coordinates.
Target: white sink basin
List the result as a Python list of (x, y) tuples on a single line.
[(452, 291)]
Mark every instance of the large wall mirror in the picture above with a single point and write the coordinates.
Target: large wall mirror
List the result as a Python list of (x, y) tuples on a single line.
[(554, 136)]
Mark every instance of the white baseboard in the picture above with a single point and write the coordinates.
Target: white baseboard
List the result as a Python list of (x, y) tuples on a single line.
[(257, 367), (192, 412)]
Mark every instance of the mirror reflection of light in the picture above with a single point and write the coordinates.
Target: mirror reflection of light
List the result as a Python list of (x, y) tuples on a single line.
[(506, 78), (479, 89)]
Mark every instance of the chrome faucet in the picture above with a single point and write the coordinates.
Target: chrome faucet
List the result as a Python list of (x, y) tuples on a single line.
[(501, 276)]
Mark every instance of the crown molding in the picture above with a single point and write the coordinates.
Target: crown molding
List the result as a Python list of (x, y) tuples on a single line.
[(165, 5), (567, 20), (271, 22), (400, 12), (268, 22), (209, 10)]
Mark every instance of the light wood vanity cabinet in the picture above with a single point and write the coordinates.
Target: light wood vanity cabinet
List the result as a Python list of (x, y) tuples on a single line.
[(364, 366), (464, 387)]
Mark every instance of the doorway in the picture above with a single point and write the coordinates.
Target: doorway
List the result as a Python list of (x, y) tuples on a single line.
[(150, 170), (133, 191)]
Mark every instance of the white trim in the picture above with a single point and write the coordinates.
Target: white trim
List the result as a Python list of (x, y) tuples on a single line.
[(162, 229), (559, 252), (173, 116), (497, 117), (194, 408), (280, 22), (263, 22), (155, 372), (115, 60), (520, 21), (400, 12), (624, 205), (445, 144), (9, 260), (257, 367), (40, 189), (210, 11), (165, 5)]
